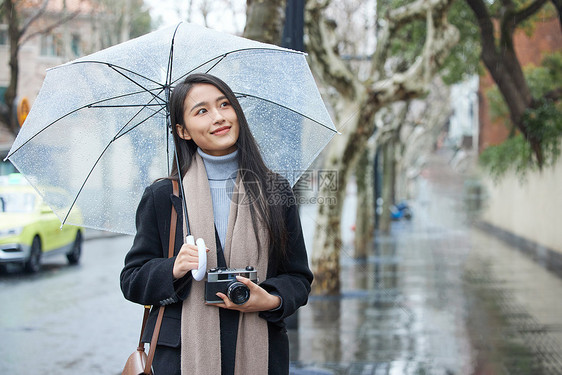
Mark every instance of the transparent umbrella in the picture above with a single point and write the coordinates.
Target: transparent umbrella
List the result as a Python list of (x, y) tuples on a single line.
[(97, 134)]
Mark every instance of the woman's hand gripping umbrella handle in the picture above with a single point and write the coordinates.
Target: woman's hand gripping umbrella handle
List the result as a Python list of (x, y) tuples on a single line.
[(199, 273)]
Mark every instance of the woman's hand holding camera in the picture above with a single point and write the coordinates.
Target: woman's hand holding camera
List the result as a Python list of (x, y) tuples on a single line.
[(186, 260), (260, 299)]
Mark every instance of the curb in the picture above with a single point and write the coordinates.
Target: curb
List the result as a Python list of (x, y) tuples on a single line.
[(94, 234)]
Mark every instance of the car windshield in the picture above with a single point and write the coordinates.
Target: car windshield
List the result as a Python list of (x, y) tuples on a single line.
[(17, 202)]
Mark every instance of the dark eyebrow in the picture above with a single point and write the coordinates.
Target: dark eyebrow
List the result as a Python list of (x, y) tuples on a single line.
[(202, 104)]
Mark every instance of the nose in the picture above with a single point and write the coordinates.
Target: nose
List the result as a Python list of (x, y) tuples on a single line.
[(217, 116)]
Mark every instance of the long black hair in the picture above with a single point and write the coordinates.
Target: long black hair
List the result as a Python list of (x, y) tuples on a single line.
[(261, 184)]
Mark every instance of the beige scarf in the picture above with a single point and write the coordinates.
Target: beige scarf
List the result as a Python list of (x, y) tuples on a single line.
[(200, 336)]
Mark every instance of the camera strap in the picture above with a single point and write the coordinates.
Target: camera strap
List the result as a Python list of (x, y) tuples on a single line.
[(229, 321), (221, 261)]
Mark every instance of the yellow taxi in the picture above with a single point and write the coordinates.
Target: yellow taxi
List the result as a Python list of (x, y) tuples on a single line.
[(30, 230)]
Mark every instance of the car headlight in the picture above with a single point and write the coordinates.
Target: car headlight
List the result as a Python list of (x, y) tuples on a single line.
[(10, 232)]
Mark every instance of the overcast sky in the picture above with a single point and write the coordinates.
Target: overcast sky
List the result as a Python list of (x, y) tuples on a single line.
[(224, 15)]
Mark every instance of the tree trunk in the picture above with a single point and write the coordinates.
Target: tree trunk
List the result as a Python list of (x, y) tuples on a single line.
[(325, 255), (16, 33), (387, 185), (357, 102), (11, 91), (503, 65), (343, 153), (508, 75), (365, 215), (265, 20)]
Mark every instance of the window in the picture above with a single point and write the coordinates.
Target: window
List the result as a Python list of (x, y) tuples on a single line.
[(3, 35), (2, 93), (51, 45), (75, 45)]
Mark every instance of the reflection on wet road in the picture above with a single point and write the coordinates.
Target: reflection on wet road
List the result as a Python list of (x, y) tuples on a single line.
[(69, 320), (437, 296)]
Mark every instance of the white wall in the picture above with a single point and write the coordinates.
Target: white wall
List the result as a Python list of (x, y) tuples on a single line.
[(531, 209), (464, 119)]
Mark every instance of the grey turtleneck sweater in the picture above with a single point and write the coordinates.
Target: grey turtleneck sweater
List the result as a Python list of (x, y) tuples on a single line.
[(221, 172)]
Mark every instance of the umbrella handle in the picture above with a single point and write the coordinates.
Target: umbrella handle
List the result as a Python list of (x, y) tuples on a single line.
[(199, 273)]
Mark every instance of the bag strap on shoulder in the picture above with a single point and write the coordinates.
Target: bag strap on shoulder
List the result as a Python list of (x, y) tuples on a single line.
[(156, 332)]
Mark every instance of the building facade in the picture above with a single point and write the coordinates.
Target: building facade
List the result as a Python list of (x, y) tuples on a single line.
[(76, 32)]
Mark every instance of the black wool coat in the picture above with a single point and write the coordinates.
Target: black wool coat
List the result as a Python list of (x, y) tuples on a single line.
[(147, 275)]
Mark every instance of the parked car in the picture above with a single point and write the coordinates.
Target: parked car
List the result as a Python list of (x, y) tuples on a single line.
[(30, 230)]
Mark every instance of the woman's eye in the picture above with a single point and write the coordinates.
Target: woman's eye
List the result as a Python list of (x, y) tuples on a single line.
[(201, 111), (225, 104)]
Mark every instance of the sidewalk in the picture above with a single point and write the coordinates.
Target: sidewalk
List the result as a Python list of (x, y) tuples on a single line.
[(93, 234), (436, 296)]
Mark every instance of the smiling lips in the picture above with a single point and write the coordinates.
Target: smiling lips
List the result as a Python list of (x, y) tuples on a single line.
[(222, 130)]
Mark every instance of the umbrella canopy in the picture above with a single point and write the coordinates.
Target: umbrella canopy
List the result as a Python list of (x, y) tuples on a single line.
[(97, 133)]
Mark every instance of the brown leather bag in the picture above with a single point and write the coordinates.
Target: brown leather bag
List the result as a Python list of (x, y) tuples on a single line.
[(138, 362)]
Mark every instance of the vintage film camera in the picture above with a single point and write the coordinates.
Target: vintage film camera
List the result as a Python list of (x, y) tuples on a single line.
[(223, 280)]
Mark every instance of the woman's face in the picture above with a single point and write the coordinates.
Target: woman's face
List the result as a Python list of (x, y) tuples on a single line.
[(210, 120)]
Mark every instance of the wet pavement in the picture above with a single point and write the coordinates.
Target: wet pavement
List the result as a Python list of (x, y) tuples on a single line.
[(69, 319), (436, 296)]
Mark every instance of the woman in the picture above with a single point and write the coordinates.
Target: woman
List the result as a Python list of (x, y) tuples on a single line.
[(247, 217)]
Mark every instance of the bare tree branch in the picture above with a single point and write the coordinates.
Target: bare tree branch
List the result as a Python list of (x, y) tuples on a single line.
[(558, 5), (508, 4), (383, 44), (554, 95), (388, 128), (395, 19), (441, 36), (357, 104), (51, 27), (38, 13), (528, 11), (485, 22), (324, 53)]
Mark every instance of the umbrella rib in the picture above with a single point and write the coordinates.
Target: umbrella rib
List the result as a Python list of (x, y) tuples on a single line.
[(220, 57), (287, 108), (119, 134), (215, 64), (94, 104), (85, 180), (125, 105), (232, 52), (116, 137), (167, 92), (68, 114), (167, 88), (113, 66), (118, 69), (132, 80)]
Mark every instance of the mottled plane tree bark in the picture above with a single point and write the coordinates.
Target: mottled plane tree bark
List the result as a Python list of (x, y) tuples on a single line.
[(265, 20), (356, 102)]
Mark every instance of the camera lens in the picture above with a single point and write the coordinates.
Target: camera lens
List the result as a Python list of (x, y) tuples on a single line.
[(238, 293)]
